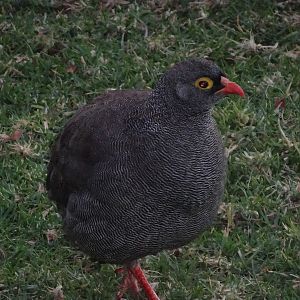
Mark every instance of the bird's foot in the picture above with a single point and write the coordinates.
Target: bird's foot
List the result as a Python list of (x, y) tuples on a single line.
[(133, 278), (129, 283)]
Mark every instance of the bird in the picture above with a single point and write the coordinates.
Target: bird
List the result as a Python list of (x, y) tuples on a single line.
[(136, 172)]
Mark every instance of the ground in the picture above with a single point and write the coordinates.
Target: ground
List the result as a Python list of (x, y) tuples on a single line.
[(56, 56)]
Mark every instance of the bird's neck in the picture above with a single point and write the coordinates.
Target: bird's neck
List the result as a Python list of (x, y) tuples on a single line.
[(162, 103)]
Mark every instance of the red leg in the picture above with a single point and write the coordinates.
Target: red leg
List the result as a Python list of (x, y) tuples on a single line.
[(123, 288), (133, 274), (138, 273), (129, 282)]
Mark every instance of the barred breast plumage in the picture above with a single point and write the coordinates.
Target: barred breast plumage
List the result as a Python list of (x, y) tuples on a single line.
[(136, 172)]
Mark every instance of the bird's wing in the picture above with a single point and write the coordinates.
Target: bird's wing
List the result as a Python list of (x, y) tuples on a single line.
[(85, 141)]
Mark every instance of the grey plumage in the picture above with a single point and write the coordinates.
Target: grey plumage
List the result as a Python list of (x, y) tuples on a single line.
[(136, 172)]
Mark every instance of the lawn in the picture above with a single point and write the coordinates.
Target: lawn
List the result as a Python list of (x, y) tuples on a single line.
[(55, 56)]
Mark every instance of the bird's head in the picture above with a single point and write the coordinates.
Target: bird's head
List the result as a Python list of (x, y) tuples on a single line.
[(194, 86)]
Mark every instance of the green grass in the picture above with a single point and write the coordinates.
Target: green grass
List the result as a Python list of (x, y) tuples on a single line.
[(253, 251)]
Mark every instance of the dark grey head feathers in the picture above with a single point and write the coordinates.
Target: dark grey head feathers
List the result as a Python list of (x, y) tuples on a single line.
[(192, 85)]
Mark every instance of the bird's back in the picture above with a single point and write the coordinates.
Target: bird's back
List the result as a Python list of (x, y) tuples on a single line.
[(129, 181)]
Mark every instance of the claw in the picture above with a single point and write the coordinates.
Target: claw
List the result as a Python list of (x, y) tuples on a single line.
[(132, 278), (129, 283)]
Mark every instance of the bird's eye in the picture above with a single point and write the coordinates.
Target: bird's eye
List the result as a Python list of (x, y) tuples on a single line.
[(204, 83)]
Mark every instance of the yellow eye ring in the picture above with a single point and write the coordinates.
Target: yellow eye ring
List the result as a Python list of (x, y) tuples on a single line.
[(204, 83)]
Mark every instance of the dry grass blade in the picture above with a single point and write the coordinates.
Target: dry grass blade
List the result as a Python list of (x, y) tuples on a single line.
[(57, 293), (15, 136), (25, 149), (51, 235), (295, 53), (252, 46), (68, 6)]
